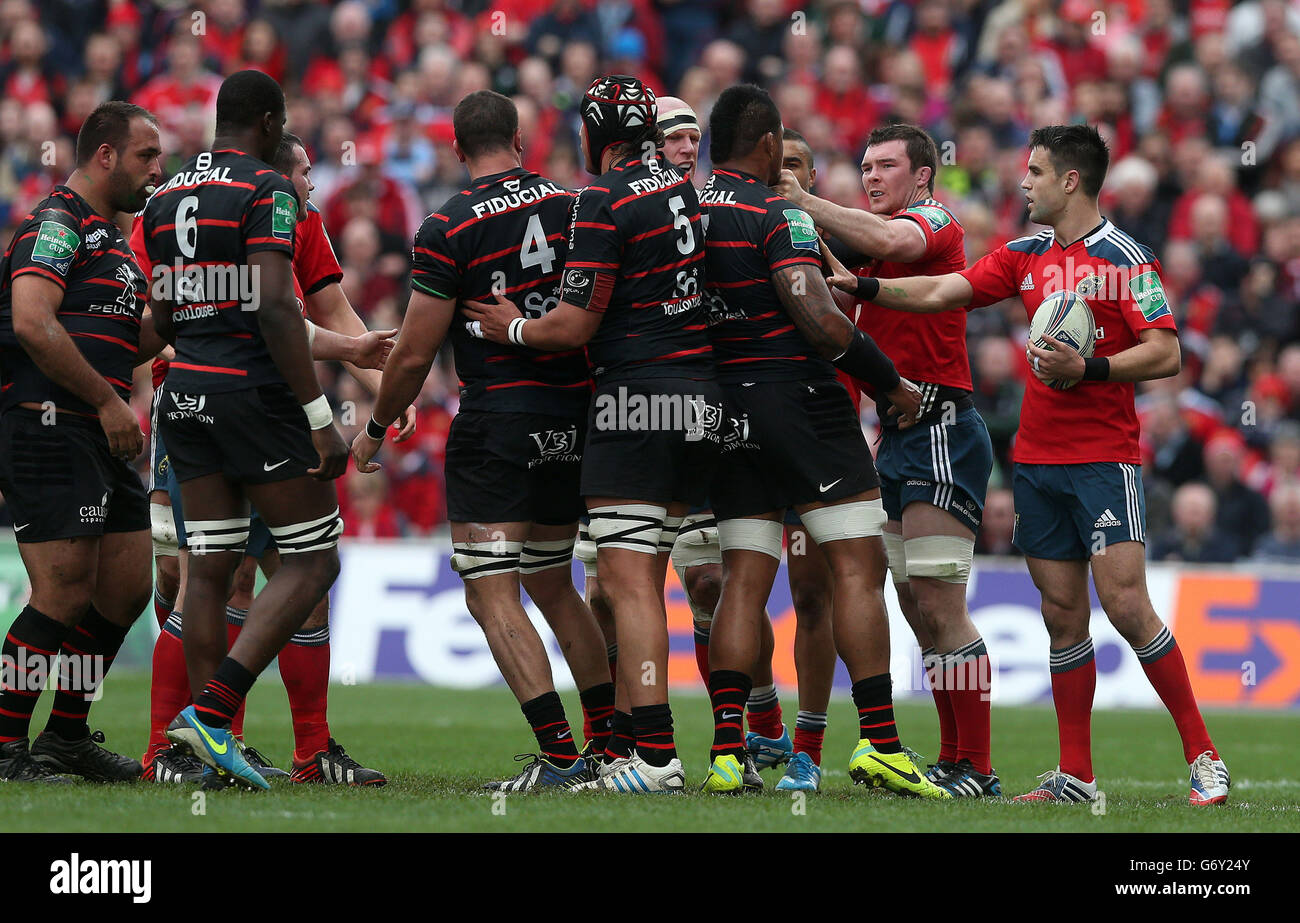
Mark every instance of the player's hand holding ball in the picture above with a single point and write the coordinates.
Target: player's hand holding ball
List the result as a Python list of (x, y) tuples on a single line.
[(906, 401), (1058, 366), (1062, 333), (493, 319), (333, 452)]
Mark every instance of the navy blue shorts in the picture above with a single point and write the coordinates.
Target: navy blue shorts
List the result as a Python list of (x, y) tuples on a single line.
[(159, 465), (945, 465), (1071, 512)]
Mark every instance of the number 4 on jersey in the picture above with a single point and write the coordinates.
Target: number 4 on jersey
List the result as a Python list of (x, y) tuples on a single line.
[(535, 250)]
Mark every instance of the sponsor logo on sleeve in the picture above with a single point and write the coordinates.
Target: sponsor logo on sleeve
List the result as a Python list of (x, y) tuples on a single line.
[(56, 244), (1149, 295), (284, 215), (803, 234), (935, 217)]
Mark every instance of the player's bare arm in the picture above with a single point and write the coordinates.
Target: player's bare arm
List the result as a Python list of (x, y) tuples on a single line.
[(330, 309), (880, 238), (839, 276), (1158, 355), (423, 330), (918, 294), (808, 301), (566, 326), (36, 325), (151, 342), (283, 328), (368, 351)]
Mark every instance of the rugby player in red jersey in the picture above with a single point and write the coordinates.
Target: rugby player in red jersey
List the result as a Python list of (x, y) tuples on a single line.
[(1078, 478), (934, 475)]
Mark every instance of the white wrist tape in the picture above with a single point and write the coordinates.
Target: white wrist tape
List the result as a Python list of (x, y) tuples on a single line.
[(311, 332), (319, 414), (515, 332)]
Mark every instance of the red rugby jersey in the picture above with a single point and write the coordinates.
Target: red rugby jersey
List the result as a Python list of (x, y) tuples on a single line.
[(1094, 421), (925, 347)]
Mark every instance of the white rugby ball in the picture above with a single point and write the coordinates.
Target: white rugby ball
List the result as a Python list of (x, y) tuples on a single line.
[(1064, 316)]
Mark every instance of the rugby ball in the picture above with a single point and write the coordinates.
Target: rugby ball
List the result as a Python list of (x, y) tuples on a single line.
[(1064, 316)]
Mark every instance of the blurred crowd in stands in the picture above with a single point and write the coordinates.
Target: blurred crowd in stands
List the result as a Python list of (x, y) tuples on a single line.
[(1198, 99)]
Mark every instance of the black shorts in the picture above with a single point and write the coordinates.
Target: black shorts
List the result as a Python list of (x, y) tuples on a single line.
[(254, 436), (790, 443), (654, 440), (514, 467), (62, 481)]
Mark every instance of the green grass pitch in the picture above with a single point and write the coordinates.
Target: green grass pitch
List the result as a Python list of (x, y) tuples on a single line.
[(438, 745)]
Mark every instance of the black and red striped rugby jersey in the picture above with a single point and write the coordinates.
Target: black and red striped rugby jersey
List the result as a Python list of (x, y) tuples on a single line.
[(640, 223), (754, 232), (504, 232), (200, 228), (67, 242)]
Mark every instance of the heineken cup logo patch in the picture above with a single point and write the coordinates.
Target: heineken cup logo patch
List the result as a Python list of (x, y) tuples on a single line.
[(935, 217), (1149, 295), (284, 215), (803, 235), (55, 246)]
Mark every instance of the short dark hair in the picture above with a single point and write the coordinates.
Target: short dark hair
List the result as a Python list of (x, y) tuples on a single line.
[(791, 135), (110, 124), (1075, 147), (245, 96), (742, 115), (921, 151), (283, 159), (484, 122)]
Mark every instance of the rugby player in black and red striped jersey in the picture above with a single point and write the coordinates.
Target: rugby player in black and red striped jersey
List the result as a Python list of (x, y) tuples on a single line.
[(242, 413), (514, 452), (71, 304), (304, 661), (631, 293), (794, 441)]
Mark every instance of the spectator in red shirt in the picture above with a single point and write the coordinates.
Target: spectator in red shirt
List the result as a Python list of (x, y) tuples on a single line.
[(372, 192), (843, 99), (262, 50), (938, 45), (365, 510), (186, 85), (1080, 58), (1187, 102), (26, 78), (223, 33), (1215, 175)]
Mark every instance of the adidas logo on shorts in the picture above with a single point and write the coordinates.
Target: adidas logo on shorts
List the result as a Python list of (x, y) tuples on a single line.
[(1106, 520)]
